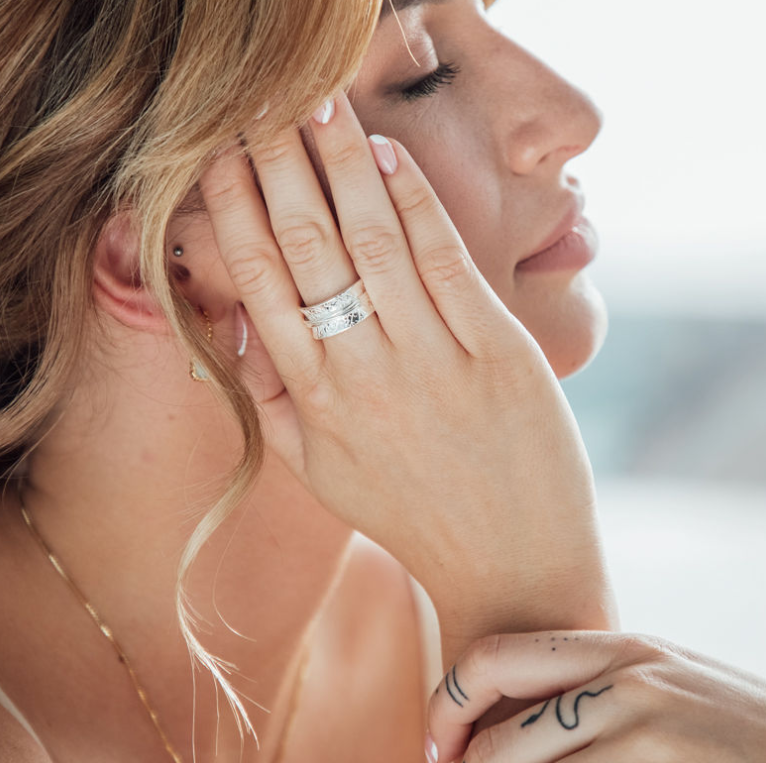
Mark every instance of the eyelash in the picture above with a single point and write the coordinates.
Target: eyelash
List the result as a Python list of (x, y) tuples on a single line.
[(444, 74)]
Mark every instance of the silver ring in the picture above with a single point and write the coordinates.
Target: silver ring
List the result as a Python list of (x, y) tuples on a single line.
[(339, 313), (336, 305)]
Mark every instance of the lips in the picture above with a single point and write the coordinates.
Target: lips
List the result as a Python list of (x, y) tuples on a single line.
[(568, 221)]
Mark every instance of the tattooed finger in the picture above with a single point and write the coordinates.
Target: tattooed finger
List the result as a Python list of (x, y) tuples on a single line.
[(533, 666)]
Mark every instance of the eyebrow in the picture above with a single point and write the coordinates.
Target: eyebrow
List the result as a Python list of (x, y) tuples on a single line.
[(402, 5)]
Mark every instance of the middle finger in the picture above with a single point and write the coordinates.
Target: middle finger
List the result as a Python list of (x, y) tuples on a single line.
[(305, 230), (301, 219)]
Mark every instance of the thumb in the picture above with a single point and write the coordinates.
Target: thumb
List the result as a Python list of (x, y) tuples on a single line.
[(530, 666)]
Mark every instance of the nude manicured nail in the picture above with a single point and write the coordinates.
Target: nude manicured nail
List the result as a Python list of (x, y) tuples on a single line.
[(384, 154), (432, 754), (325, 112), (241, 329)]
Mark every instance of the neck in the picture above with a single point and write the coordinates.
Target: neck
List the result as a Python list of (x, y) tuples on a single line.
[(116, 488)]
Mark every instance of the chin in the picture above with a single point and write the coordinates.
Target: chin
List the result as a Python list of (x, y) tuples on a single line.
[(570, 326)]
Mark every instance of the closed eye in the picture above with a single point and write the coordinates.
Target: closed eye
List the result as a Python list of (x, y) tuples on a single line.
[(444, 74)]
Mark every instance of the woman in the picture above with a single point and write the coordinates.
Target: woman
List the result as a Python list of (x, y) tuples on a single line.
[(465, 464)]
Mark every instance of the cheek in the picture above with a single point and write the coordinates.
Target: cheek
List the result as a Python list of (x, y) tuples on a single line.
[(467, 181)]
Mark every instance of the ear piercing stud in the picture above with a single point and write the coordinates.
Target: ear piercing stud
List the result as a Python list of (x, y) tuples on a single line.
[(178, 251)]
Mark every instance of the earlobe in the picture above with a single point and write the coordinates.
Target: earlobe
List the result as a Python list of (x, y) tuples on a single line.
[(117, 286)]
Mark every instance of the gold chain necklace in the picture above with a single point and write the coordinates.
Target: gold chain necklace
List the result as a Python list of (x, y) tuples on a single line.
[(107, 632)]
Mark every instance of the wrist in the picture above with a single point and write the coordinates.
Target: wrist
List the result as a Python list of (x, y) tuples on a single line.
[(520, 593)]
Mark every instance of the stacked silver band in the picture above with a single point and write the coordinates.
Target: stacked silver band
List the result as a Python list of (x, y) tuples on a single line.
[(339, 313)]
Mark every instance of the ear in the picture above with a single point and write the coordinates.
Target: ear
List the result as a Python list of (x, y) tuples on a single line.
[(117, 286)]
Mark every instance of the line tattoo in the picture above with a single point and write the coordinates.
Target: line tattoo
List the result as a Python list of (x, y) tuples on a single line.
[(562, 722), (446, 683), (457, 686)]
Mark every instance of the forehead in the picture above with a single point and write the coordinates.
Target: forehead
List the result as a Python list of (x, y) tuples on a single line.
[(401, 5)]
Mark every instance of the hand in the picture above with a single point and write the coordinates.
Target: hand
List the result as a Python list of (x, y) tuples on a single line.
[(605, 697), (436, 426)]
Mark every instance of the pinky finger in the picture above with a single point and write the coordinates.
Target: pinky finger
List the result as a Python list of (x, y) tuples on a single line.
[(465, 301)]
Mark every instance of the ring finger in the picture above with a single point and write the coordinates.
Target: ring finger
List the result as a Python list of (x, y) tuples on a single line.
[(303, 224)]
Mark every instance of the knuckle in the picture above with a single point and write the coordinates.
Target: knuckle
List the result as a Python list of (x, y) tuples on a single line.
[(343, 156), (373, 247), (637, 647), (319, 400), (302, 240), (416, 203), (484, 653), (274, 153), (643, 685), (250, 268), (446, 267), (223, 194)]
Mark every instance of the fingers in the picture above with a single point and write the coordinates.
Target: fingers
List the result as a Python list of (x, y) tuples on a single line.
[(243, 235), (301, 219), (552, 729), (394, 233), (467, 304), (522, 666), (370, 227)]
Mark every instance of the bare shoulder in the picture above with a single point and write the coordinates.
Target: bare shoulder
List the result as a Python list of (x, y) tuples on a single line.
[(375, 577), (16, 746)]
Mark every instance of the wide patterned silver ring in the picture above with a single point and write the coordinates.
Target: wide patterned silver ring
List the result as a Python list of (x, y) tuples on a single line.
[(339, 313)]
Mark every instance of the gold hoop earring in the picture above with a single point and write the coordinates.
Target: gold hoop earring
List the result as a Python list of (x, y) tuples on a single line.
[(197, 371)]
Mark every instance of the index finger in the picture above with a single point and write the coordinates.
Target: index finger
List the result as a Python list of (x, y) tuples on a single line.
[(531, 666), (246, 242)]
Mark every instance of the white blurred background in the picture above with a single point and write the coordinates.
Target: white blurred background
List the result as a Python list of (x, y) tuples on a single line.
[(673, 410)]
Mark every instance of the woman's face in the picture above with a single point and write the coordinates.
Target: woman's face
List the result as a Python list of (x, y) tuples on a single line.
[(493, 140)]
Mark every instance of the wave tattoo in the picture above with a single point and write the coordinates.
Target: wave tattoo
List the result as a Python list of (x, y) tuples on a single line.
[(562, 722), (533, 718)]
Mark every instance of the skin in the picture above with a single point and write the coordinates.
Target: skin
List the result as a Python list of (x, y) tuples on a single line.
[(109, 498), (613, 696), (505, 185)]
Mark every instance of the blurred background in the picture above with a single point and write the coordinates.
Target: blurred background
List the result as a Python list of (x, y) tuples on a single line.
[(673, 410)]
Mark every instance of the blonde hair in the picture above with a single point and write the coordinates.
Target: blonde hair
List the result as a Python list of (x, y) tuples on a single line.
[(121, 103)]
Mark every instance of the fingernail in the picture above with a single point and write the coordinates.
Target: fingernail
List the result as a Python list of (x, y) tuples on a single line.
[(324, 113), (432, 754), (384, 154), (241, 330)]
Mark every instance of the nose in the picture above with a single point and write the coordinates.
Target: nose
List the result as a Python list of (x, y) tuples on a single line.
[(544, 120)]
